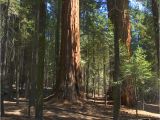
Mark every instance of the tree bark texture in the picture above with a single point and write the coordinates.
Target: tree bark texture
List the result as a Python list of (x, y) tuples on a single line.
[(156, 29), (156, 19), (41, 55), (69, 72), (119, 15), (57, 37)]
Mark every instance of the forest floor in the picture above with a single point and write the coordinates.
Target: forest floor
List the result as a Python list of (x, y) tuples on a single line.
[(81, 110)]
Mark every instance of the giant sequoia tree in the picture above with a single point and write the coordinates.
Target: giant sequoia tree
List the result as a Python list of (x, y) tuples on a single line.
[(68, 86)]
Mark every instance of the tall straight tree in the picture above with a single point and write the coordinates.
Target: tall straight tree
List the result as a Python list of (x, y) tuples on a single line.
[(34, 53), (57, 36), (156, 19), (3, 46), (41, 54), (119, 9), (118, 13), (128, 92), (115, 16), (156, 29), (69, 71)]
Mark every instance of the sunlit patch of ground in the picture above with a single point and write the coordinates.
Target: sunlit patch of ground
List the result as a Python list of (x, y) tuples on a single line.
[(140, 113), (14, 112), (82, 110)]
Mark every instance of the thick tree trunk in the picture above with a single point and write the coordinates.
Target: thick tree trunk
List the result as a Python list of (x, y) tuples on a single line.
[(69, 72)]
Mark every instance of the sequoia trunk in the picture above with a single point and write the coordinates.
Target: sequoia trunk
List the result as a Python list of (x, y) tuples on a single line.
[(69, 72)]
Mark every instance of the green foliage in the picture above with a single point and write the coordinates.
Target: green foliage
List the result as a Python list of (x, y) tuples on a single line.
[(143, 32), (143, 35), (96, 40), (137, 67), (14, 6), (140, 66), (139, 70)]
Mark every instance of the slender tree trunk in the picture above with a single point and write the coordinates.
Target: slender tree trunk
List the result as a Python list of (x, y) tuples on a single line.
[(57, 39), (17, 76), (87, 72), (104, 81), (156, 29), (111, 64), (156, 18), (98, 80), (4, 14), (2, 105), (136, 94), (116, 87), (87, 84), (84, 79), (41, 55), (34, 59), (159, 58), (115, 16), (118, 12), (93, 79)]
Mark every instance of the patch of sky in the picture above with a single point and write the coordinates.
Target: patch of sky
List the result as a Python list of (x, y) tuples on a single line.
[(103, 8), (49, 7), (138, 4), (135, 4)]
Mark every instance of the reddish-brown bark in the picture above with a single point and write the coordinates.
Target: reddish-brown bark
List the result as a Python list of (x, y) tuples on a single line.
[(69, 73), (122, 19)]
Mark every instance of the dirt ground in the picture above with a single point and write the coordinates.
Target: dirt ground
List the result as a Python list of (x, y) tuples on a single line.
[(82, 110)]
